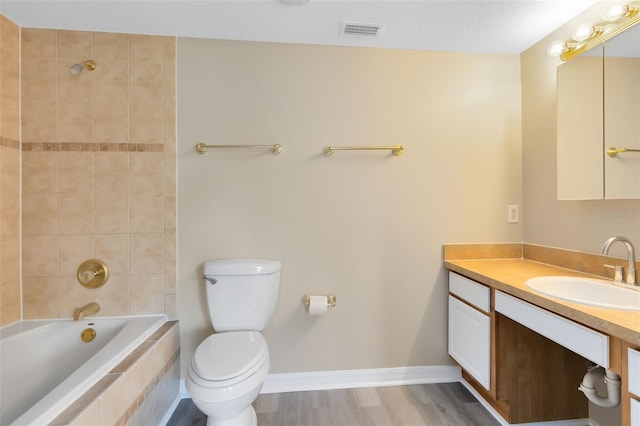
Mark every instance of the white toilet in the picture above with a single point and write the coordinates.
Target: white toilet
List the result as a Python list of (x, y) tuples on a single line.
[(227, 370)]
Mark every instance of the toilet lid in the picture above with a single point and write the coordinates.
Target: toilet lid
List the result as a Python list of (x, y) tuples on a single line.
[(227, 355)]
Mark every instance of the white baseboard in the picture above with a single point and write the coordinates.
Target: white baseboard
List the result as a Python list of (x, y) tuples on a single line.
[(345, 379)]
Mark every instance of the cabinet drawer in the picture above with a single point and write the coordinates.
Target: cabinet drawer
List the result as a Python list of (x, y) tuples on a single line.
[(582, 340), (635, 412), (634, 372), (470, 339), (469, 290)]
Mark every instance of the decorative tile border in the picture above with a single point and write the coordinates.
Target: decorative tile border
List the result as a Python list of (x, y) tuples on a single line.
[(92, 147), (9, 143)]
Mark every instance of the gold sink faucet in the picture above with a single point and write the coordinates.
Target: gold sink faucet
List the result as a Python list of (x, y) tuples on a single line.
[(631, 255), (86, 310)]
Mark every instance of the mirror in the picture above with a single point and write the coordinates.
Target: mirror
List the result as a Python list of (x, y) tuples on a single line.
[(579, 126), (598, 106), (622, 114)]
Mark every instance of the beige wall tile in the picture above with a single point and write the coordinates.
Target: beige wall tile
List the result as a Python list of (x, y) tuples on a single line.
[(170, 275), (115, 401), (113, 297), (147, 294), (94, 189), (10, 170), (170, 242), (40, 297), (39, 98), (10, 213), (75, 104), (146, 212), (76, 213), (73, 295), (146, 253), (9, 279), (39, 214), (39, 172), (111, 171), (166, 347), (76, 46), (170, 306), (142, 373), (111, 47), (113, 249), (75, 172), (146, 174), (39, 256), (111, 115), (170, 207), (73, 250), (112, 212)]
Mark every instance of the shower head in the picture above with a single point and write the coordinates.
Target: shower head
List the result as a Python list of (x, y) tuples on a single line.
[(89, 65)]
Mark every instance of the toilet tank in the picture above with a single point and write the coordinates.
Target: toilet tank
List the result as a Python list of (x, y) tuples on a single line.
[(242, 294)]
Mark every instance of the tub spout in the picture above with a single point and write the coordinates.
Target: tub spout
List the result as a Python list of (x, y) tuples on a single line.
[(88, 309)]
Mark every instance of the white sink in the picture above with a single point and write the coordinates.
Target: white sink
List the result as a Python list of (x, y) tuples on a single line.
[(587, 291)]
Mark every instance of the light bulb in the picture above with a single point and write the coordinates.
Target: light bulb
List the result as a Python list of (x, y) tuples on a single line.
[(616, 12), (556, 48), (583, 32)]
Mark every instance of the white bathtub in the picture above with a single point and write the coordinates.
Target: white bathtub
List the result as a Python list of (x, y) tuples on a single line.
[(45, 366)]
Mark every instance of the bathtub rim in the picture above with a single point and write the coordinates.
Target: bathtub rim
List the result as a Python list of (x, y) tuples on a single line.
[(93, 370)]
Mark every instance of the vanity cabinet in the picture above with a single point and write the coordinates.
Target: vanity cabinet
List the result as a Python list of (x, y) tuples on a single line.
[(470, 327), (523, 375)]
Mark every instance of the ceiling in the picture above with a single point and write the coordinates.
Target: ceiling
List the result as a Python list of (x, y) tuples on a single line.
[(478, 26)]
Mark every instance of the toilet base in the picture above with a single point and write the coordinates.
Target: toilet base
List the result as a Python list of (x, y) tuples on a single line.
[(246, 418)]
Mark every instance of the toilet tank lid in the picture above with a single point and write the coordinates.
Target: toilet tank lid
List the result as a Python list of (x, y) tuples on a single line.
[(221, 267)]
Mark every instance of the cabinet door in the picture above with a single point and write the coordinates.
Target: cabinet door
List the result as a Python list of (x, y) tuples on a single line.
[(470, 339), (635, 412)]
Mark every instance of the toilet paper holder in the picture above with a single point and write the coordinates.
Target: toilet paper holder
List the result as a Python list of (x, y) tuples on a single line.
[(331, 300)]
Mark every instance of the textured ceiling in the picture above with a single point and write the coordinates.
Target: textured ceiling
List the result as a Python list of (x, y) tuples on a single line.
[(503, 26)]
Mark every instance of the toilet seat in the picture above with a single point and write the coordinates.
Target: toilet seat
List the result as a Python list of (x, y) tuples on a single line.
[(225, 359)]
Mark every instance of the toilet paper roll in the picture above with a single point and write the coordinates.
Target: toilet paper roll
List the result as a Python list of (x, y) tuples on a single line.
[(317, 305)]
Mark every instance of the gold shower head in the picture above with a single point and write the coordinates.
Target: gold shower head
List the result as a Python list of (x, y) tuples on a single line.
[(89, 65)]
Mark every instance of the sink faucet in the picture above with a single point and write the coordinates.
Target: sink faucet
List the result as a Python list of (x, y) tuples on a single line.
[(88, 309), (631, 254)]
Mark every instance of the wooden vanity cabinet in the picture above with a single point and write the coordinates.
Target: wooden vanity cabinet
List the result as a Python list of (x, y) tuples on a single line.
[(531, 378)]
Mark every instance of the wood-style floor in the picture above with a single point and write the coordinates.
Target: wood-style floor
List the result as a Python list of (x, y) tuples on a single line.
[(444, 404)]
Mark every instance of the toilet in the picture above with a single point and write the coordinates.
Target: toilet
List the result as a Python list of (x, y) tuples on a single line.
[(228, 368)]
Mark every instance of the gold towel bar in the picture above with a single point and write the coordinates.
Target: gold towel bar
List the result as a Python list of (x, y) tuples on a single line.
[(202, 148), (329, 151), (612, 152)]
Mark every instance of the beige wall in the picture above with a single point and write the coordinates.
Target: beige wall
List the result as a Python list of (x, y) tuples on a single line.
[(366, 226), (98, 171), (578, 225), (9, 171)]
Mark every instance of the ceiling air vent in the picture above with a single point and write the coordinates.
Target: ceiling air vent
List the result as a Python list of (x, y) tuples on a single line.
[(360, 29)]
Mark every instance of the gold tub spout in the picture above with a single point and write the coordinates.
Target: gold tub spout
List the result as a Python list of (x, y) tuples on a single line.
[(88, 309)]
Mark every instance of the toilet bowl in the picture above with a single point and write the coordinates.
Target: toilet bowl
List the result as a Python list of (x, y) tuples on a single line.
[(228, 368), (225, 376)]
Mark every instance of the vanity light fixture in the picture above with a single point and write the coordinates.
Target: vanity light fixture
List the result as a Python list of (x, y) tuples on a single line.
[(89, 65), (617, 19)]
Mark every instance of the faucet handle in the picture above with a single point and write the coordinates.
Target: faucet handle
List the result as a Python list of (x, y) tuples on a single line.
[(618, 272)]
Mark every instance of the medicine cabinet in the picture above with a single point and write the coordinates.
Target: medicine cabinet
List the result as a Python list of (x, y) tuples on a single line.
[(598, 108)]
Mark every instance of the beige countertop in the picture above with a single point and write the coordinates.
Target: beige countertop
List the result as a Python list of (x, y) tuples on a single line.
[(509, 276)]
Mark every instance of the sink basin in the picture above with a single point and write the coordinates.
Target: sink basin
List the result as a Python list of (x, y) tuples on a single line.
[(587, 291)]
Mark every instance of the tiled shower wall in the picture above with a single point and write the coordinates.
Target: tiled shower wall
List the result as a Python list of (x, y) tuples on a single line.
[(9, 171), (98, 171)]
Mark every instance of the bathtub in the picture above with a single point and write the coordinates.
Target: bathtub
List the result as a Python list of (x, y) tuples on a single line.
[(45, 366)]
